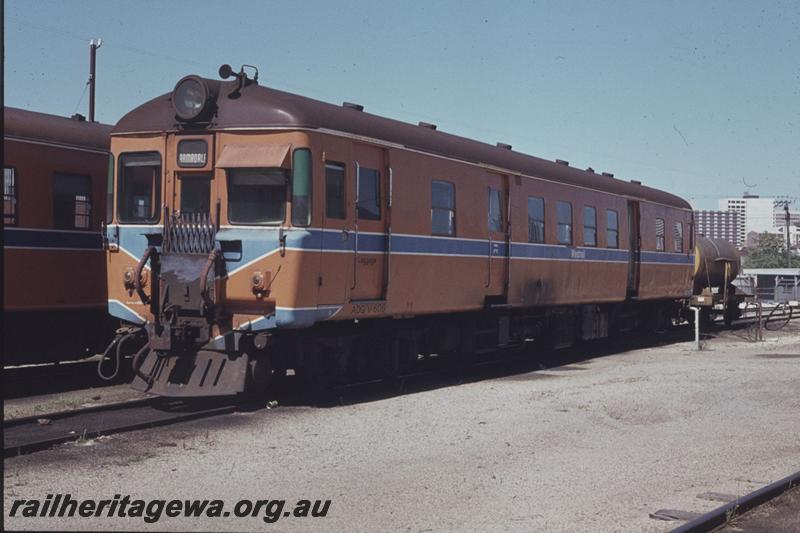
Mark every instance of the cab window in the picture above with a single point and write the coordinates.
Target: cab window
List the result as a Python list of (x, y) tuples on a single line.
[(257, 195), (139, 187)]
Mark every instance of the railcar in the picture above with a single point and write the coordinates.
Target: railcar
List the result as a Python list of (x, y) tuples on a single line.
[(54, 194), (256, 230)]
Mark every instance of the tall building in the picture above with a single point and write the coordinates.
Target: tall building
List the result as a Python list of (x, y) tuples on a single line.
[(725, 225), (758, 214)]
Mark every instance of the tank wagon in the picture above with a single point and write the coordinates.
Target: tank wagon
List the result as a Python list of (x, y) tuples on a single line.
[(54, 187), (256, 230), (716, 265)]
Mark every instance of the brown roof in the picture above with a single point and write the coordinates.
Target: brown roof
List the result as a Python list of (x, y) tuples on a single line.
[(52, 128), (259, 106)]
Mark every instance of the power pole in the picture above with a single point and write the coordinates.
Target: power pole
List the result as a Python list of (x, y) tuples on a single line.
[(788, 240), (787, 218), (93, 46)]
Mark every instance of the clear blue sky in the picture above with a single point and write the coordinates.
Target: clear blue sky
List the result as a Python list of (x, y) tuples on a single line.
[(693, 97)]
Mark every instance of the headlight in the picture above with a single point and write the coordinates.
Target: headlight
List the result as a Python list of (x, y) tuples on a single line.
[(190, 97)]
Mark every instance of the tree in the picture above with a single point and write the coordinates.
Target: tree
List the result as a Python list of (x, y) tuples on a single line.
[(769, 252)]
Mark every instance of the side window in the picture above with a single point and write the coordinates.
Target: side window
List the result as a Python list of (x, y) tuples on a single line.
[(535, 219), (301, 187), (443, 208), (679, 237), (612, 229), (9, 196), (110, 190), (72, 201), (334, 190), (564, 214), (589, 226), (495, 210), (660, 235), (139, 187), (369, 194)]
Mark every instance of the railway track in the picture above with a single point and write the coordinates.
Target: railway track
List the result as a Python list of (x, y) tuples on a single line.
[(29, 434), (50, 378), (33, 433), (734, 508)]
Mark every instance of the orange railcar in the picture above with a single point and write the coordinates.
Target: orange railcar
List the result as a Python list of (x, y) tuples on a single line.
[(256, 230), (54, 294)]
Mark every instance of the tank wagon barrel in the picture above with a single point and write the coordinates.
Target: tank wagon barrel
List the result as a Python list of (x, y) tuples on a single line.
[(716, 263)]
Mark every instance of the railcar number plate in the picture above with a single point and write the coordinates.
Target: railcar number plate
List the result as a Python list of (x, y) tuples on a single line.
[(369, 308)]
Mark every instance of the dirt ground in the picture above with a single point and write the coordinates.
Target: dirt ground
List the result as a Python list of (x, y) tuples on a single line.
[(596, 445)]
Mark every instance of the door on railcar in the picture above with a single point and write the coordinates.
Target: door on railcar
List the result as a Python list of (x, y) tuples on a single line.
[(635, 246), (497, 202), (370, 217), (336, 241)]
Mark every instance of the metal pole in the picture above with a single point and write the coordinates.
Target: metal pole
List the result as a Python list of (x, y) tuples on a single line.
[(696, 327), (788, 240), (93, 46)]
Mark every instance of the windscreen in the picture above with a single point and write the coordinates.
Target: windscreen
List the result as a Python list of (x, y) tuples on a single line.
[(139, 187), (256, 195)]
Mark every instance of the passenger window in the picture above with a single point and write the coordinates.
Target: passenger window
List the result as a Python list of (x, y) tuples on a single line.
[(660, 235), (612, 229), (369, 194), (257, 195), (301, 187), (564, 214), (535, 219), (195, 194), (589, 226), (495, 210), (72, 202), (443, 208), (679, 237), (139, 185), (334, 190), (9, 196)]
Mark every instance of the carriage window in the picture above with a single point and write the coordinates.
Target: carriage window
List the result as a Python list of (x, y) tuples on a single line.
[(679, 237), (564, 213), (72, 202), (139, 187), (9, 196), (195, 194), (334, 190), (535, 219), (612, 229), (301, 187), (369, 194), (443, 208), (589, 226), (660, 235), (495, 210), (256, 195)]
